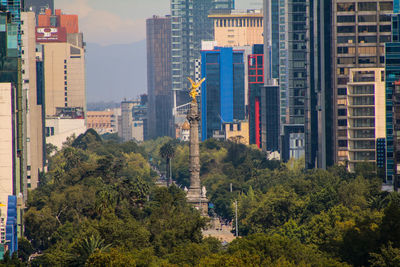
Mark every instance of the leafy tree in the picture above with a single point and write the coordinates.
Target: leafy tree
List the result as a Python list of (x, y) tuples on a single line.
[(167, 152), (388, 257), (390, 227), (114, 257)]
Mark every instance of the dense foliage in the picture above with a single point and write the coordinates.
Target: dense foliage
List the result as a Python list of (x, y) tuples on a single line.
[(98, 205)]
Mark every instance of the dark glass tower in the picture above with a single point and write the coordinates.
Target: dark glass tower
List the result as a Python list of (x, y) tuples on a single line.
[(160, 120), (318, 115)]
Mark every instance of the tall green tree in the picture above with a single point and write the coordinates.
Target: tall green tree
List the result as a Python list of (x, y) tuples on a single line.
[(167, 152)]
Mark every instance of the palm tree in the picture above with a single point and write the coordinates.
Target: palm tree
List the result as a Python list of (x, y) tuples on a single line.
[(167, 151), (86, 247)]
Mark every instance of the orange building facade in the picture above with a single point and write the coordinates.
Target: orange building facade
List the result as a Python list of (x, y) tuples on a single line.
[(69, 22)]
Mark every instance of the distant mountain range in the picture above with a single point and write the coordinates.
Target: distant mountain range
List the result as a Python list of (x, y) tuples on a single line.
[(115, 72)]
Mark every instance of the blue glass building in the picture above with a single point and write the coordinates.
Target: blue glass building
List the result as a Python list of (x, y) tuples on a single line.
[(392, 73), (11, 225), (223, 92)]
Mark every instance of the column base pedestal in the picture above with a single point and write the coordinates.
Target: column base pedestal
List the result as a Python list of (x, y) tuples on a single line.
[(200, 202)]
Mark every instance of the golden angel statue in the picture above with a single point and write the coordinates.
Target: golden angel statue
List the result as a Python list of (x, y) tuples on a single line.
[(193, 90)]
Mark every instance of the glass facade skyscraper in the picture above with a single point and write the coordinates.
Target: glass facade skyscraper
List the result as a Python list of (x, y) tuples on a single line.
[(10, 72), (222, 94), (392, 73), (160, 120), (293, 62), (190, 25)]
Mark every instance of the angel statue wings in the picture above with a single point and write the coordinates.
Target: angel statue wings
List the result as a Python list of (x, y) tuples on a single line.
[(193, 90)]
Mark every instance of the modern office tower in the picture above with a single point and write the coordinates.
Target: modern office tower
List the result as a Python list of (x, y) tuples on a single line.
[(271, 39), (238, 28), (293, 58), (64, 75), (360, 29), (223, 92), (318, 127), (297, 36), (159, 86), (366, 114), (392, 72), (132, 124), (190, 25), (125, 122), (270, 118), (64, 62), (12, 115), (38, 6), (256, 83), (34, 114)]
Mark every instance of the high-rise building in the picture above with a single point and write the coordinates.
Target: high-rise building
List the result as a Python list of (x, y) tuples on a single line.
[(297, 36), (392, 80), (64, 75), (318, 127), (293, 72), (38, 6), (159, 86), (263, 107), (366, 114), (190, 25), (13, 157), (132, 124), (238, 28), (64, 62), (35, 120), (223, 92), (360, 31)]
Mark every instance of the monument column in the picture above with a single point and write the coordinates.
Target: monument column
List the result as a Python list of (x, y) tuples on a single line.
[(196, 195)]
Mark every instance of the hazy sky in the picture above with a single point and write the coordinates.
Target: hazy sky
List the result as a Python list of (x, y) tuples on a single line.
[(108, 22)]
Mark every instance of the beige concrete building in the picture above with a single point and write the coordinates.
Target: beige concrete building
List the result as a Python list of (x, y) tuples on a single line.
[(366, 114), (58, 129), (102, 121), (34, 117), (237, 132), (6, 146), (238, 28), (64, 65), (360, 30)]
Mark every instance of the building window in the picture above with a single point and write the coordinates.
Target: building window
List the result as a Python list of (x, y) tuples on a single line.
[(342, 143), (367, 6), (342, 122), (386, 6), (342, 91), (346, 29), (348, 18), (367, 28), (367, 18), (345, 7), (342, 112), (385, 28), (367, 39)]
